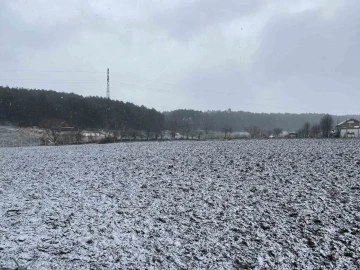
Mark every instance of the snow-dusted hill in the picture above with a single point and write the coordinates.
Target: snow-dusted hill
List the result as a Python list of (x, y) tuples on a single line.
[(279, 204), (13, 136)]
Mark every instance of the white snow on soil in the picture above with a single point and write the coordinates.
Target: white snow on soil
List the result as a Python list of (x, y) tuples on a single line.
[(11, 136), (279, 204)]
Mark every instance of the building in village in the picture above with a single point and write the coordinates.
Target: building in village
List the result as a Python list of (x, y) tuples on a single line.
[(347, 129), (292, 135)]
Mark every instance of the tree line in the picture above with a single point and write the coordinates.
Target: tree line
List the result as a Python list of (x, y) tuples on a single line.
[(42, 108), (322, 129), (192, 123)]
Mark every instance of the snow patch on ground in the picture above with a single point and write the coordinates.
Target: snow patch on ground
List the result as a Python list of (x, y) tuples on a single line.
[(13, 136)]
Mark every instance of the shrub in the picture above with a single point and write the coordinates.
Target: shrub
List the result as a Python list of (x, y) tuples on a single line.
[(106, 140)]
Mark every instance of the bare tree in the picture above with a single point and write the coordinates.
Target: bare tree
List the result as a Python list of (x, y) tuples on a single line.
[(306, 130), (277, 132), (186, 127), (227, 130), (199, 133), (230, 130), (265, 133), (254, 131), (326, 125), (78, 136), (133, 134), (148, 134), (206, 130), (140, 134), (207, 125), (115, 134), (315, 131), (123, 132), (173, 127), (52, 129), (300, 133), (161, 134)]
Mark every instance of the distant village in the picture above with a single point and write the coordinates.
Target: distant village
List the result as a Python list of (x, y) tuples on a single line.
[(64, 135)]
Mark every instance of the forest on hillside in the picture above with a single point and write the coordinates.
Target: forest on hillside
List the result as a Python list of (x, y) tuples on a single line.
[(242, 121), (26, 107)]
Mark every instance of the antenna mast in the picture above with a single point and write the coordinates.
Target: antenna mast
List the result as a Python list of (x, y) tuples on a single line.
[(108, 85)]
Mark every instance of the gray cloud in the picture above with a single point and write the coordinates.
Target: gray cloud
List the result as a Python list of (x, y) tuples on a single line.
[(230, 82), (193, 17), (312, 58), (306, 44), (22, 38), (176, 54)]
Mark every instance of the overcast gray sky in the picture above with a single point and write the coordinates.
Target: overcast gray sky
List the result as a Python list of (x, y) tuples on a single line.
[(252, 55)]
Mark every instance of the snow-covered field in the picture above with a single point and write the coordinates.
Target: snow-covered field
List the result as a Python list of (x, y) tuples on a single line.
[(275, 204), (13, 136)]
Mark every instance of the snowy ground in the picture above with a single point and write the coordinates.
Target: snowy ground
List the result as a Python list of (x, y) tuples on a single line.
[(13, 136), (275, 204)]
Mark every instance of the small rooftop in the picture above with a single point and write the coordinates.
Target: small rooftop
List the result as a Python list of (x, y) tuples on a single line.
[(343, 122)]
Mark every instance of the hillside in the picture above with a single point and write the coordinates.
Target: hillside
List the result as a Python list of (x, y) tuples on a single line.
[(26, 107), (240, 120), (14, 136)]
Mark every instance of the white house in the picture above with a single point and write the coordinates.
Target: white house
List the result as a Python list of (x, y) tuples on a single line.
[(347, 129)]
